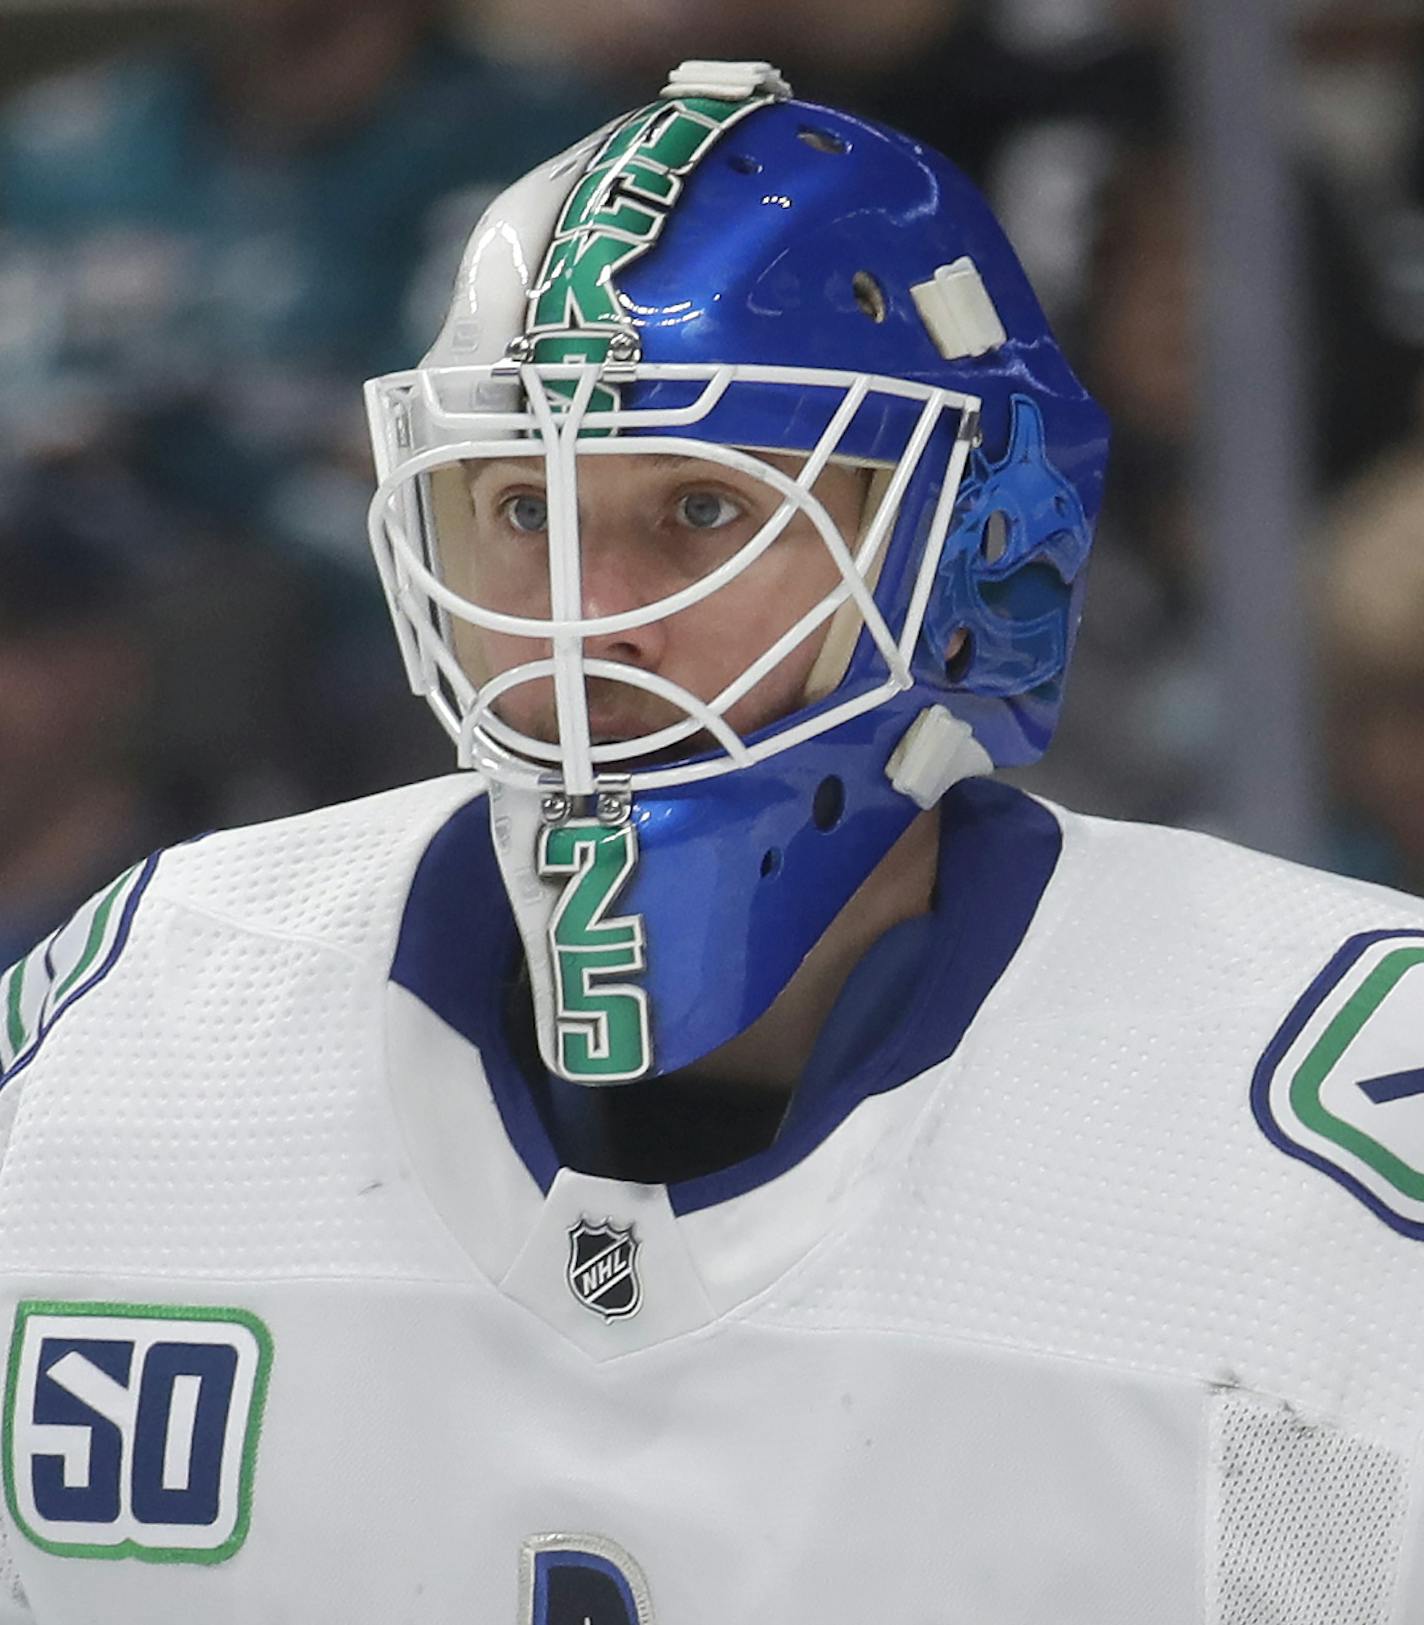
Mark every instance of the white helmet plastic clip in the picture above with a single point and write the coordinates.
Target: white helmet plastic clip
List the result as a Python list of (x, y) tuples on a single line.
[(726, 81), (936, 752), (956, 308)]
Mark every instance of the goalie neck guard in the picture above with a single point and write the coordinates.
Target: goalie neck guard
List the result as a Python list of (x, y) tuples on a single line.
[(767, 286)]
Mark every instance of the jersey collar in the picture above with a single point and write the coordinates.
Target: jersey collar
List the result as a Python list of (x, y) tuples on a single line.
[(904, 1008)]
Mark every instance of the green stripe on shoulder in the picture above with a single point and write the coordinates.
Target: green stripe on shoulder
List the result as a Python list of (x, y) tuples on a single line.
[(14, 1026), (37, 990), (97, 928)]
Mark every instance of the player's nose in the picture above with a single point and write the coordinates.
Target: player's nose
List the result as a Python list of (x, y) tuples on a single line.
[(616, 581)]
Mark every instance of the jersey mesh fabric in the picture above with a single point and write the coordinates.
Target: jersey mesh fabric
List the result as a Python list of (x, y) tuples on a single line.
[(14, 1609), (13, 1606), (1089, 1180), (320, 876), (1308, 1521), (225, 1043)]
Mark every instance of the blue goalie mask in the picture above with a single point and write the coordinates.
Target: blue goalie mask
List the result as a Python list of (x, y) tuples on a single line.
[(775, 371)]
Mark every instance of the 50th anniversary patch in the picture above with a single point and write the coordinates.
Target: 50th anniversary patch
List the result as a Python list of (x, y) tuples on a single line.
[(1341, 1085), (131, 1429)]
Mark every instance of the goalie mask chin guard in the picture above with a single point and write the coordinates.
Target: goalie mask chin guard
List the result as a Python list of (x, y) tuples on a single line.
[(755, 283)]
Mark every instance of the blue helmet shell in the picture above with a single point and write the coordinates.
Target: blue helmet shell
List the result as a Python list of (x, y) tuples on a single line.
[(763, 260), (760, 262)]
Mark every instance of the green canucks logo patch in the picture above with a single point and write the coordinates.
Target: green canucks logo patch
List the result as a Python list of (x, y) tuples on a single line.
[(1341, 1085), (615, 213), (601, 1030)]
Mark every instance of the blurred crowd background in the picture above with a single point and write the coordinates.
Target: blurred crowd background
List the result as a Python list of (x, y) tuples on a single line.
[(218, 217)]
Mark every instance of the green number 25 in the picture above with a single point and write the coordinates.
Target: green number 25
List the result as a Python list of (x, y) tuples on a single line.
[(602, 1028)]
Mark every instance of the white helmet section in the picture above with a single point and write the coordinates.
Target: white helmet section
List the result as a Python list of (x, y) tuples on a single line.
[(503, 257), (452, 396)]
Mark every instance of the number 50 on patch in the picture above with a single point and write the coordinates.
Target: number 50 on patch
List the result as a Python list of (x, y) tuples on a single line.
[(131, 1429)]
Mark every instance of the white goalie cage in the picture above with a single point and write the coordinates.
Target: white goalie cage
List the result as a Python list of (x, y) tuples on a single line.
[(433, 417)]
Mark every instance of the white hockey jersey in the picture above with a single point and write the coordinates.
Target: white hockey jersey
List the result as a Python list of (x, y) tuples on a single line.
[(1110, 1311)]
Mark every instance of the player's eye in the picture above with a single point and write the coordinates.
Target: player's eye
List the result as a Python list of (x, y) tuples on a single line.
[(707, 510), (525, 512)]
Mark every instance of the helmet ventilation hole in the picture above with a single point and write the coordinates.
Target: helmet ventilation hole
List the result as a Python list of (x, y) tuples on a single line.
[(869, 295), (994, 539), (828, 803), (821, 140), (770, 862), (961, 655), (744, 163)]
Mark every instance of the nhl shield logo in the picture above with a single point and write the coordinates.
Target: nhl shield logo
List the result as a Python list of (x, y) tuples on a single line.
[(603, 1273)]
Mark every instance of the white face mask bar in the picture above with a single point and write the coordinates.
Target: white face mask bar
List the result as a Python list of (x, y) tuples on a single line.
[(464, 414)]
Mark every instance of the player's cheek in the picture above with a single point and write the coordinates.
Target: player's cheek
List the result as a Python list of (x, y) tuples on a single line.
[(484, 654), (782, 690), (512, 578)]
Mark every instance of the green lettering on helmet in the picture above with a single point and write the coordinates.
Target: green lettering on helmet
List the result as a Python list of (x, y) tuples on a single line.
[(613, 215), (601, 1029), (579, 293), (679, 140), (646, 180)]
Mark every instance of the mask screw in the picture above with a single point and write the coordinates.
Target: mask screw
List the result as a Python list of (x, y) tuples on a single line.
[(554, 806), (624, 349), (613, 803), (520, 349)]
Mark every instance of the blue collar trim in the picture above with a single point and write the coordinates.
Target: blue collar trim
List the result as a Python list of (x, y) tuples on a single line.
[(458, 946), (904, 1009)]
